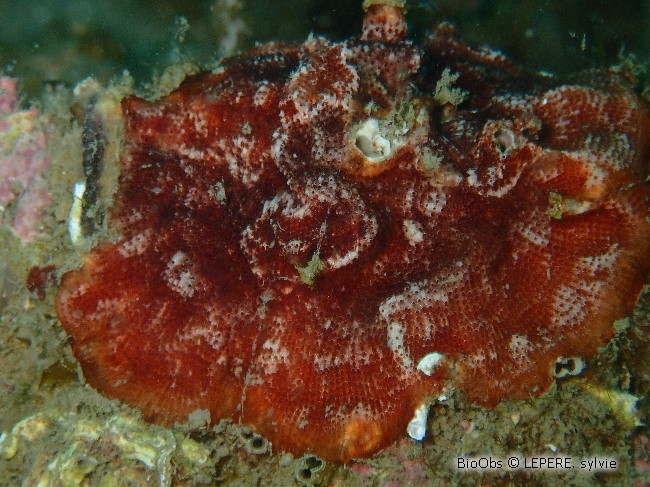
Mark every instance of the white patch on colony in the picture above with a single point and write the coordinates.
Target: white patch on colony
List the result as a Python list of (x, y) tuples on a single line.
[(213, 336), (252, 239), (513, 102), (413, 231), (262, 93), (425, 298), (200, 123), (504, 188), (475, 361), (236, 152), (298, 207), (417, 427), (572, 303), (347, 414), (520, 348), (191, 152), (492, 56), (592, 165), (273, 355), (326, 148), (395, 342), (569, 307), (136, 245), (294, 246), (354, 352), (179, 275), (300, 417), (107, 308), (433, 202), (360, 243), (493, 181), (576, 207), (612, 149), (604, 262), (74, 218), (430, 362), (134, 216), (596, 177), (472, 178), (308, 109)]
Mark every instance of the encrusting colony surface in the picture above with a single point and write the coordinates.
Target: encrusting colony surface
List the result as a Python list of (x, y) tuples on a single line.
[(302, 226)]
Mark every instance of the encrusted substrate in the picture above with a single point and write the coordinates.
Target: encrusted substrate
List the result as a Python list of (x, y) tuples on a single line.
[(59, 431), (301, 227), (100, 443), (42, 391)]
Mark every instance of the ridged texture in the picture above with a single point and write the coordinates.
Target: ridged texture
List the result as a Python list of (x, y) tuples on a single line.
[(300, 228)]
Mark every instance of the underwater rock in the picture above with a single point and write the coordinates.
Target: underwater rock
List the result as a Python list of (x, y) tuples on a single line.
[(23, 161)]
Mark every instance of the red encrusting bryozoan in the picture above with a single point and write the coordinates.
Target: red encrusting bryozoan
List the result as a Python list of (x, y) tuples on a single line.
[(304, 225)]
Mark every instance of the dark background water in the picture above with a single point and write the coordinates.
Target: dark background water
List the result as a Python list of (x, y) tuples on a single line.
[(51, 41)]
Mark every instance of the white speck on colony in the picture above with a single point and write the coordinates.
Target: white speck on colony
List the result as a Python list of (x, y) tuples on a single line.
[(261, 95), (413, 231), (179, 275), (430, 362)]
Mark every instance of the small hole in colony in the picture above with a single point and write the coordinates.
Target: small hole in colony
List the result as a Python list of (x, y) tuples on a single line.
[(505, 140), (313, 463)]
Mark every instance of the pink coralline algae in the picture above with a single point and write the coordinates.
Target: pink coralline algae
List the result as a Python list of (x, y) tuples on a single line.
[(23, 161), (318, 240)]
